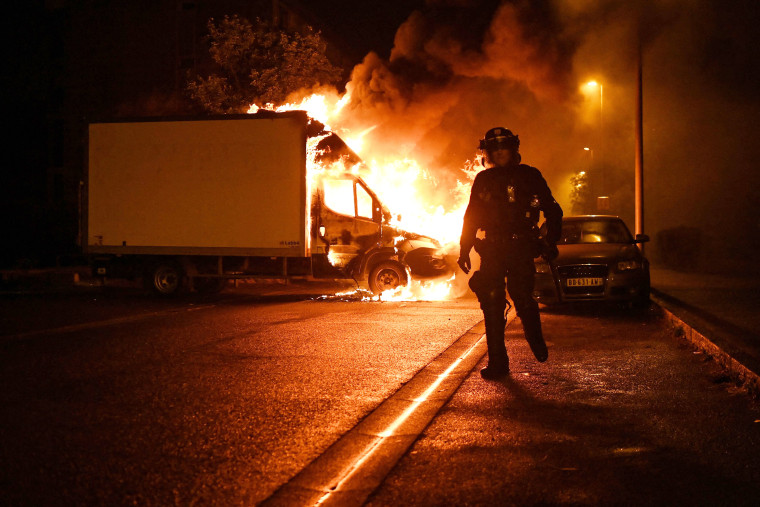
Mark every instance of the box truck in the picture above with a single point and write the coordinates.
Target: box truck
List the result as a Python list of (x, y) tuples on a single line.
[(188, 204)]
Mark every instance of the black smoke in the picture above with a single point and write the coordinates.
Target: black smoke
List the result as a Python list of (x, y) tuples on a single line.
[(459, 68)]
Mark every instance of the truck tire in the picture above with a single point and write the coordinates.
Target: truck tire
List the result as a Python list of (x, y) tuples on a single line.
[(209, 285), (165, 278), (387, 276)]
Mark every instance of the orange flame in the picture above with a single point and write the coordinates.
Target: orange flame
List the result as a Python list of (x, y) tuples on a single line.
[(402, 185)]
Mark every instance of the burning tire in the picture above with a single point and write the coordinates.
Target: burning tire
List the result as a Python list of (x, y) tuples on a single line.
[(165, 278), (387, 276)]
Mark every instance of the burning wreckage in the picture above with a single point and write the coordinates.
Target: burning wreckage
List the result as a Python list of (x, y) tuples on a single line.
[(193, 203)]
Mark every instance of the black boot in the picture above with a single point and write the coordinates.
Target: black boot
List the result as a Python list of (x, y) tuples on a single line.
[(491, 372), (531, 322), (498, 360)]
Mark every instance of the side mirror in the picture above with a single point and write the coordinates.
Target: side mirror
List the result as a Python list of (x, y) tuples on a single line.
[(641, 238)]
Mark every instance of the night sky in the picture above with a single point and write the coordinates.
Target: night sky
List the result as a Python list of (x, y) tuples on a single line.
[(361, 30)]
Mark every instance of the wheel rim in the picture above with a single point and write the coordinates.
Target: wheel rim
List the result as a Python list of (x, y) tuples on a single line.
[(166, 280), (388, 279)]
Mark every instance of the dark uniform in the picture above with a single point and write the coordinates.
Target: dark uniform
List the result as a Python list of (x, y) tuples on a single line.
[(505, 202)]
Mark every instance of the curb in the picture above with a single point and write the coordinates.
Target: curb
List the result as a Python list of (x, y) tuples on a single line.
[(354, 466), (712, 339)]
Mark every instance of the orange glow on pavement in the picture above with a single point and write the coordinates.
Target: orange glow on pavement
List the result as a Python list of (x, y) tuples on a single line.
[(393, 427)]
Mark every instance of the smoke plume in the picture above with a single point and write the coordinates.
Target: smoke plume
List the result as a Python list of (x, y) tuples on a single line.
[(459, 68)]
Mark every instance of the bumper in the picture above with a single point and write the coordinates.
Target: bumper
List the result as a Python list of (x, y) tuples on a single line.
[(429, 263), (621, 287)]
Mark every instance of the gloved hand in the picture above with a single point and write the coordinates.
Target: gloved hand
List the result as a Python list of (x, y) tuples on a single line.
[(549, 252), (464, 262)]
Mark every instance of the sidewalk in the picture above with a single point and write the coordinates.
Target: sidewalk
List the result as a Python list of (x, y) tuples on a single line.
[(733, 299), (721, 312), (621, 414)]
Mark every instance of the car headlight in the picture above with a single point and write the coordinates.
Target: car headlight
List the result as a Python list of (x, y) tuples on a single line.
[(628, 265), (543, 267)]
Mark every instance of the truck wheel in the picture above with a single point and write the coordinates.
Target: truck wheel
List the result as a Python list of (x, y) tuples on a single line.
[(209, 285), (165, 278), (387, 276)]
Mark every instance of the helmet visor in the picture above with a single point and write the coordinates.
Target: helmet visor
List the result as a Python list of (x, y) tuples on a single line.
[(498, 143)]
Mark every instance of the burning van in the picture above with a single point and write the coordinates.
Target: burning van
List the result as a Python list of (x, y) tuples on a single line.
[(193, 203)]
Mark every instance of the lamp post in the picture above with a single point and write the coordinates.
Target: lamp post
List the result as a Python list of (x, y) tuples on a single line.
[(639, 154), (594, 84), (589, 159)]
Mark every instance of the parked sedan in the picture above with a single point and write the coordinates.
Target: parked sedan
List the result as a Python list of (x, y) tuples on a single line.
[(598, 260)]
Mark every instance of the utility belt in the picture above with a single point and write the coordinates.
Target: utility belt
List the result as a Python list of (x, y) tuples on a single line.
[(507, 238), (499, 242)]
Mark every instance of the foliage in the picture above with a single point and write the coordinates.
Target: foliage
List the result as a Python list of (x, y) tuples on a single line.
[(581, 196), (259, 63)]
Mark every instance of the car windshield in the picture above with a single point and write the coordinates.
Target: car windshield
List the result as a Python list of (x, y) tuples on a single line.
[(594, 231)]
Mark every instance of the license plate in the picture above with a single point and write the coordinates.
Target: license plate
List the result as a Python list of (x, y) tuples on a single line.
[(585, 282)]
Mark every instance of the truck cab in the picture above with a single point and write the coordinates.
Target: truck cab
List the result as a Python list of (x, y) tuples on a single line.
[(352, 229)]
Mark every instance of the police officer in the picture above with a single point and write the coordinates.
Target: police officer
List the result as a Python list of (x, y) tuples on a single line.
[(505, 202)]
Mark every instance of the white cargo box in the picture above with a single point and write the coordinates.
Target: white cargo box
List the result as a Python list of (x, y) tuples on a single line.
[(221, 186)]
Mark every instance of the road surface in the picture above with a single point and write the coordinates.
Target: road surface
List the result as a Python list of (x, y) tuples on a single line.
[(224, 401)]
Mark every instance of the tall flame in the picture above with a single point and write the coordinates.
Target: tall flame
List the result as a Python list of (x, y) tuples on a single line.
[(403, 185)]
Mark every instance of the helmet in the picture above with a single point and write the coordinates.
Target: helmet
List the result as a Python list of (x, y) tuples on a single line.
[(500, 137)]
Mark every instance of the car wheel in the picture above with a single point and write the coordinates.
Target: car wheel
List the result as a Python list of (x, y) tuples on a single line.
[(387, 276)]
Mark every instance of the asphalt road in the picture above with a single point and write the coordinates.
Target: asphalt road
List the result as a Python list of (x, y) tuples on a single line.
[(210, 402), (221, 401)]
